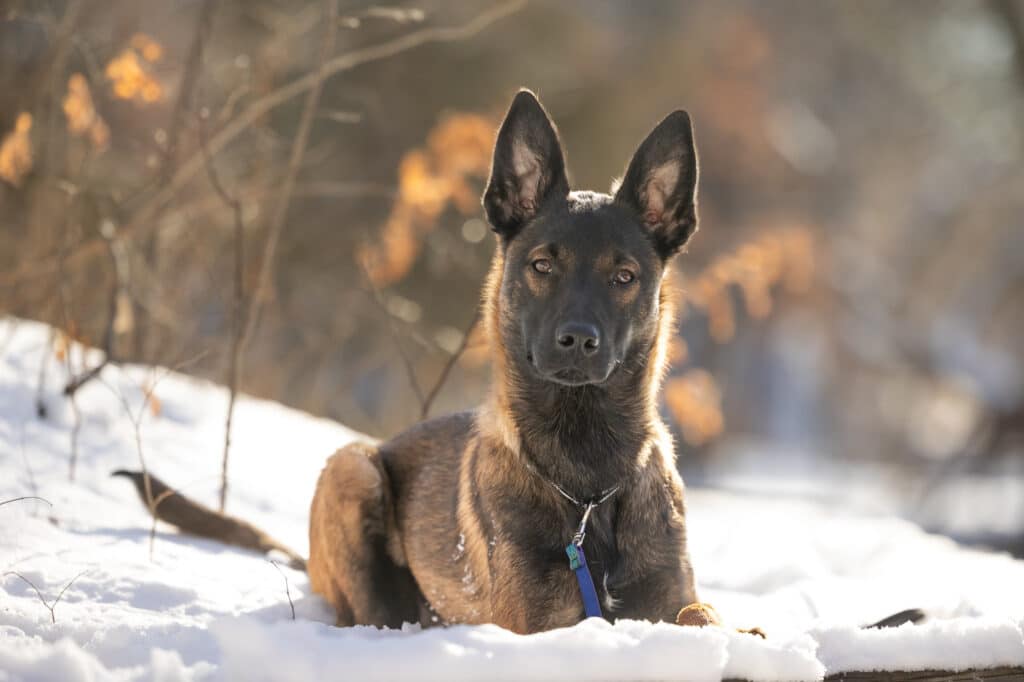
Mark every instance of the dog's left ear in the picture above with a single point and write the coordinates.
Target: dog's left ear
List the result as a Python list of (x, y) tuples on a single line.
[(661, 184)]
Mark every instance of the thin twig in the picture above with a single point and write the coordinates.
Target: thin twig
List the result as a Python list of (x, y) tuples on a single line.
[(44, 362), (120, 268), (76, 429), (27, 497), (287, 589), (76, 382), (28, 468), (328, 189), (1012, 14), (238, 307), (53, 81), (142, 220), (187, 88), (277, 219), (410, 369), (152, 511), (448, 366), (136, 420), (64, 297), (49, 606), (11, 323), (137, 427), (182, 105)]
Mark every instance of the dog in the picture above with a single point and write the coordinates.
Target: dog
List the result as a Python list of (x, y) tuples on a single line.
[(485, 516), (466, 518)]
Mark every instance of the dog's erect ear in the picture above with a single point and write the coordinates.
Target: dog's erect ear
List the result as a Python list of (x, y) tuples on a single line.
[(661, 184), (528, 170)]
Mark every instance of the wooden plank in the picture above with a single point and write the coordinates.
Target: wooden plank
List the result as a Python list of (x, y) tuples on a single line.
[(1003, 674)]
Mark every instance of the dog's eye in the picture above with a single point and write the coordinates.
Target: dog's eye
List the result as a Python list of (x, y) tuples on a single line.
[(624, 277), (542, 265)]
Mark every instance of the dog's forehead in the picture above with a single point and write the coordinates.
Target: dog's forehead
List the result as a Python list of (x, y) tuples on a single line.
[(583, 201), (592, 226)]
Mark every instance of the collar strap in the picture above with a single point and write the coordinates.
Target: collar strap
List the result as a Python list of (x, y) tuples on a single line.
[(578, 559), (601, 498), (574, 550)]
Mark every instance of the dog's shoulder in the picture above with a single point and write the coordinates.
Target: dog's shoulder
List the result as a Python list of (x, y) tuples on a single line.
[(430, 449), (432, 434)]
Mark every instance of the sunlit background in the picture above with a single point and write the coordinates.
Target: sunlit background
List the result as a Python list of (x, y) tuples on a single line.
[(852, 306)]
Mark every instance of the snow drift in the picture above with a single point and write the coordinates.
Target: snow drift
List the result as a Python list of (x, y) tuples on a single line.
[(196, 610)]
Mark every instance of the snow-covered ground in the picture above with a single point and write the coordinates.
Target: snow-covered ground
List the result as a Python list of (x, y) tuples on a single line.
[(808, 574)]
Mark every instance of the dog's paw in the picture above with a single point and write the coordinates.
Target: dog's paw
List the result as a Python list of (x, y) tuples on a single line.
[(701, 614), (698, 614)]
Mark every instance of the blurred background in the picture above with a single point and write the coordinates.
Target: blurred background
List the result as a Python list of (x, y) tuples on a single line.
[(283, 196)]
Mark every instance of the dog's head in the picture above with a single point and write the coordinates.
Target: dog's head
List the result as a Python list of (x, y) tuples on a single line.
[(581, 272)]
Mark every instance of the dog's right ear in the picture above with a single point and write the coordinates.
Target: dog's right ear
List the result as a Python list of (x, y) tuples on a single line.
[(528, 170)]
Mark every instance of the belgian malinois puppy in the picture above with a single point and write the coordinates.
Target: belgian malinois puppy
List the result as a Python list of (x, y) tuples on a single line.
[(469, 518), (466, 518)]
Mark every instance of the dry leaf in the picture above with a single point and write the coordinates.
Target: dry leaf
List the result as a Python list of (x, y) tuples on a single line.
[(16, 151)]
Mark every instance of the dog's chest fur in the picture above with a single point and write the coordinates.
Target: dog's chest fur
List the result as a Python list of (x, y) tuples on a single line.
[(495, 538)]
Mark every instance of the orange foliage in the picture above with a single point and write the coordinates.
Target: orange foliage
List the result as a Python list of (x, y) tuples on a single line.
[(129, 75), (430, 178), (150, 50), (696, 403), (16, 151), (777, 257), (60, 346), (81, 114), (152, 401)]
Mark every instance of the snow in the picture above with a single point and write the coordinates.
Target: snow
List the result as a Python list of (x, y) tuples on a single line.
[(805, 572), (957, 644)]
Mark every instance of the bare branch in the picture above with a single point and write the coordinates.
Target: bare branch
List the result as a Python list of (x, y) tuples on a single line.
[(277, 220), (48, 605), (64, 298), (76, 429), (446, 370), (76, 382), (182, 105), (238, 307), (186, 91), (136, 420), (65, 589), (287, 589), (120, 268), (1012, 14), (44, 363), (153, 507), (28, 468), (143, 219), (54, 76), (410, 369), (27, 497)]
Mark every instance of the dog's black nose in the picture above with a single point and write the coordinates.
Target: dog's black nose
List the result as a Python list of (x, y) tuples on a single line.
[(580, 336)]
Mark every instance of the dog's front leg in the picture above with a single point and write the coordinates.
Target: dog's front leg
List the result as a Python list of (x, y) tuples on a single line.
[(528, 596)]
